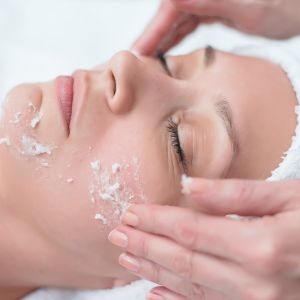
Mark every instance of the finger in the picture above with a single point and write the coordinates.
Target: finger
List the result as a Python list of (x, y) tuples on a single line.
[(183, 31), (196, 231), (207, 294), (257, 245), (196, 267), (160, 26), (244, 197), (162, 276), (165, 294), (184, 27), (209, 8)]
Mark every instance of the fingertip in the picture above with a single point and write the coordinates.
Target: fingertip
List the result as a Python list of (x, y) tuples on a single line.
[(199, 186), (153, 296), (131, 219), (143, 47), (135, 52), (165, 293)]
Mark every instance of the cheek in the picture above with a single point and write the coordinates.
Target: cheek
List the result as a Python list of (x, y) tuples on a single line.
[(20, 127), (106, 178), (20, 109), (20, 148)]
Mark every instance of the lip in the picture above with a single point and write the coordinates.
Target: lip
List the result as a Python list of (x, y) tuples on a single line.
[(65, 95)]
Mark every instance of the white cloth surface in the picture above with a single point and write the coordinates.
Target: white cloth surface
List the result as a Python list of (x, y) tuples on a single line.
[(41, 39), (135, 291), (288, 59)]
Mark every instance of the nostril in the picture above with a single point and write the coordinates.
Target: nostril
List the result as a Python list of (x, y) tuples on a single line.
[(122, 71), (112, 84)]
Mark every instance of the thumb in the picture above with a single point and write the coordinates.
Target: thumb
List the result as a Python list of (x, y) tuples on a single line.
[(160, 26), (242, 197)]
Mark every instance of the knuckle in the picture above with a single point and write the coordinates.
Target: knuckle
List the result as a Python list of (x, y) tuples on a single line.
[(242, 191), (266, 257), (144, 247), (196, 292), (182, 263), (289, 191), (263, 292), (272, 293), (156, 273), (186, 231)]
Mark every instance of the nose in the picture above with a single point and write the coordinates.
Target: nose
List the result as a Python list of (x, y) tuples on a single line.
[(124, 71)]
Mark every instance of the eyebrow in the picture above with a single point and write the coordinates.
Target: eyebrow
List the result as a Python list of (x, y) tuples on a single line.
[(209, 56), (224, 111)]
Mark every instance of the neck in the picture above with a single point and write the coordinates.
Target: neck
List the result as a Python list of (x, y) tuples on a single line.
[(22, 266)]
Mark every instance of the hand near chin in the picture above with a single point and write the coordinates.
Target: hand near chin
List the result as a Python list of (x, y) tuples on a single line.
[(199, 253), (175, 19)]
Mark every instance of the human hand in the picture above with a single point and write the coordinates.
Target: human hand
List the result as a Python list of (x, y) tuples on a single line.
[(175, 19), (207, 256), (118, 282)]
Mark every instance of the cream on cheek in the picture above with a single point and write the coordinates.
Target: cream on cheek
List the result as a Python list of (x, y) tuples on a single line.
[(111, 186), (114, 188), (19, 126)]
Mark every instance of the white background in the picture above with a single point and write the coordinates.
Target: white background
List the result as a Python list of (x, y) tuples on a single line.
[(41, 39)]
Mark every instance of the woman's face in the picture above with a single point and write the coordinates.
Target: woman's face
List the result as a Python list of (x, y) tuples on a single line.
[(135, 128)]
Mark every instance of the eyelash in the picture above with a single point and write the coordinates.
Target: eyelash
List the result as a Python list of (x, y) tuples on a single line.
[(163, 61), (172, 126), (173, 130)]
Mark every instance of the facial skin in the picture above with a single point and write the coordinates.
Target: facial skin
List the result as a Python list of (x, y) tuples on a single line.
[(129, 104)]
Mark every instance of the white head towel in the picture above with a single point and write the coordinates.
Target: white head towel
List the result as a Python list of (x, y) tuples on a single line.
[(289, 61)]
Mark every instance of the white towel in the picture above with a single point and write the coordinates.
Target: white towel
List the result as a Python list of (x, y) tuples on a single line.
[(135, 291), (288, 59)]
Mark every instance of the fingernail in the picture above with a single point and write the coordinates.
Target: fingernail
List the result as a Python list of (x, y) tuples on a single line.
[(152, 296), (135, 52), (129, 262), (130, 218), (118, 238), (195, 186), (200, 186)]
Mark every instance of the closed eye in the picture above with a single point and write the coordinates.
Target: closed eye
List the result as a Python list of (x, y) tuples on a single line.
[(173, 131)]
